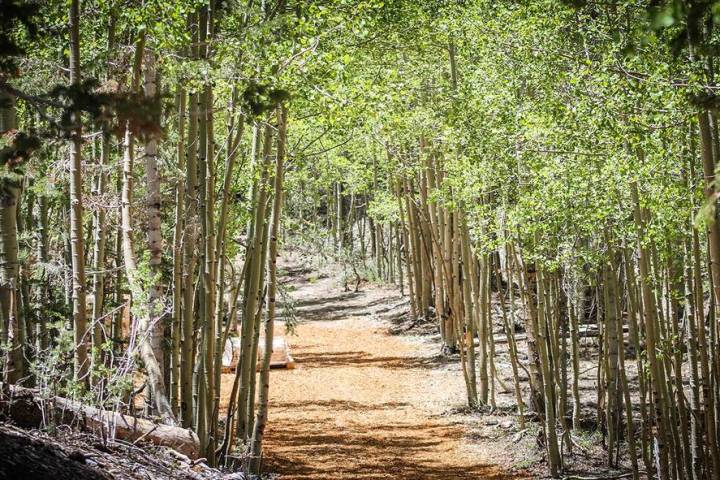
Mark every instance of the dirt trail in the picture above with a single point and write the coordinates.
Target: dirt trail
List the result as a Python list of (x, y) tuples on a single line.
[(362, 403)]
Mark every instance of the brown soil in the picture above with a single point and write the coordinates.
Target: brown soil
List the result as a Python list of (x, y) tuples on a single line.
[(363, 403)]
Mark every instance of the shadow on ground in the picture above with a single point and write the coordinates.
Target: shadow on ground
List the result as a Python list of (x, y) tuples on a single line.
[(364, 359), (341, 306), (321, 449), (378, 428)]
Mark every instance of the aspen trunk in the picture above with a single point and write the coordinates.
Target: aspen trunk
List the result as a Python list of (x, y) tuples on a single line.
[(234, 135), (705, 387), (528, 287), (409, 273), (10, 329), (713, 226), (99, 225), (338, 216), (398, 256), (253, 293), (634, 318), (623, 384), (708, 150), (656, 375), (553, 452), (145, 321), (575, 353), (262, 413), (413, 258), (611, 355), (256, 334), (99, 242), (177, 282), (206, 342), (154, 329), (469, 313), (77, 246), (43, 294), (437, 253), (481, 276), (509, 327), (187, 407)]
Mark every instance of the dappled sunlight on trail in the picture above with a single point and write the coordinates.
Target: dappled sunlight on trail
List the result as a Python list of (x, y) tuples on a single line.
[(363, 404)]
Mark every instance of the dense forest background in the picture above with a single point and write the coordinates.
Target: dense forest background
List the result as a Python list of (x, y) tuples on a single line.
[(542, 168)]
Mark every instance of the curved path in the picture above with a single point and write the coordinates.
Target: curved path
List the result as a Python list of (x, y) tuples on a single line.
[(362, 403)]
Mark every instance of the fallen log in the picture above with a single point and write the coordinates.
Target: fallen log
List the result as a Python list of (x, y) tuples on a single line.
[(27, 408), (589, 331)]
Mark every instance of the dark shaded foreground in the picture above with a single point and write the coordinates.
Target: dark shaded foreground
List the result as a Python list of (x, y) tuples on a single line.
[(25, 457)]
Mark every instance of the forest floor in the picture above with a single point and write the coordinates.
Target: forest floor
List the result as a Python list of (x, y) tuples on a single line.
[(367, 402), (371, 398)]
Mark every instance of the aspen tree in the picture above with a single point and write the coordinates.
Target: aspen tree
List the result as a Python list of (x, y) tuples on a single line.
[(509, 327), (253, 293), (99, 222), (177, 257), (706, 379), (528, 292), (142, 314), (438, 265), (190, 233), (203, 367), (77, 238), (554, 459), (409, 266), (43, 295), (10, 328), (234, 135), (155, 330), (414, 253), (508, 190), (634, 318), (611, 358), (255, 343), (261, 420), (469, 313), (482, 275), (656, 374)]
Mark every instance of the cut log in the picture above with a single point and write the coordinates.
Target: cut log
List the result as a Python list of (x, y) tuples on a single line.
[(28, 409), (231, 354), (280, 358)]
